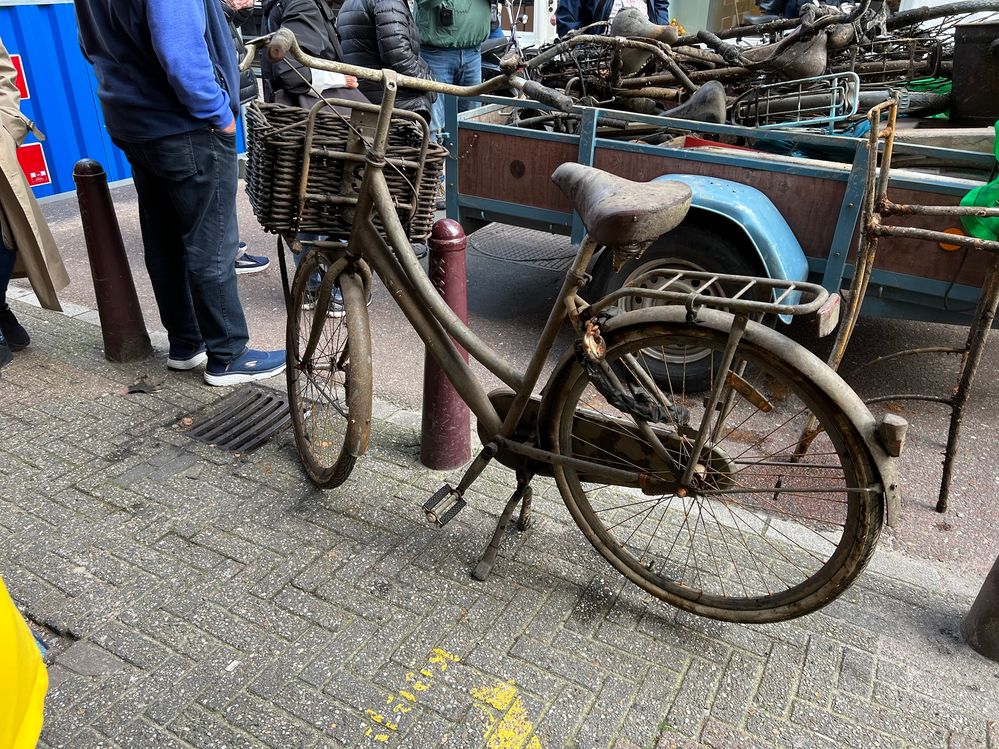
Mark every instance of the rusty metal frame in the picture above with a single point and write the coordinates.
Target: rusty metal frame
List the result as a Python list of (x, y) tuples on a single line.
[(877, 208)]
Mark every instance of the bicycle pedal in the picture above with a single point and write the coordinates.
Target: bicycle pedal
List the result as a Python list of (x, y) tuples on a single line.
[(443, 505)]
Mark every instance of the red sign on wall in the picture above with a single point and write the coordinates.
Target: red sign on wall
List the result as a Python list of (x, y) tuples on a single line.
[(21, 80), (33, 164)]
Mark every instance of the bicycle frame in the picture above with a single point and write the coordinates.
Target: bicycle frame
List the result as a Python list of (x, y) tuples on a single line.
[(396, 264)]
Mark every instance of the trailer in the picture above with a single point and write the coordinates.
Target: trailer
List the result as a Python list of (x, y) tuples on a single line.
[(756, 211)]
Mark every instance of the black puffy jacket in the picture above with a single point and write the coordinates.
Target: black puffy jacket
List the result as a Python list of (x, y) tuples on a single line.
[(382, 34), (247, 78), (312, 23)]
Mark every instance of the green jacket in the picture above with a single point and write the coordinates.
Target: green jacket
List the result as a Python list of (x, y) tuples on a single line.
[(469, 29)]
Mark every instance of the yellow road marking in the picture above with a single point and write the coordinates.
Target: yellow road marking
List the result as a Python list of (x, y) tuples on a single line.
[(507, 725), (418, 684)]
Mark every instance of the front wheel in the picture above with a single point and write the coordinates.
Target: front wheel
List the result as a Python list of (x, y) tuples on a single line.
[(771, 526), (329, 369)]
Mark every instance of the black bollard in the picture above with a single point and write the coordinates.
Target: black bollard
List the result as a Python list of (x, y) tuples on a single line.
[(981, 626), (124, 331)]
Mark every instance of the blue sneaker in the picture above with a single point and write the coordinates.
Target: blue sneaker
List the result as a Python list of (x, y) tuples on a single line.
[(246, 263), (252, 365), (185, 358), (336, 308)]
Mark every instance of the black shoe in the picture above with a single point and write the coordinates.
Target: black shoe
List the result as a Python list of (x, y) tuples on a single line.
[(5, 356), (17, 337)]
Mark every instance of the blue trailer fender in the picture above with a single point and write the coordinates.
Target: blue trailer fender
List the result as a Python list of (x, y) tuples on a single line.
[(779, 250)]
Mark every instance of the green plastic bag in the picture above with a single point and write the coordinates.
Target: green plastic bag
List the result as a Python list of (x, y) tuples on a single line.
[(986, 196)]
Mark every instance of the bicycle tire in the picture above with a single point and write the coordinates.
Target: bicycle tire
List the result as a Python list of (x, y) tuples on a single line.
[(329, 391), (753, 561)]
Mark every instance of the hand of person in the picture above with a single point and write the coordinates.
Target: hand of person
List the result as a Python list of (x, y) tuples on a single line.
[(230, 128), (351, 81), (239, 4)]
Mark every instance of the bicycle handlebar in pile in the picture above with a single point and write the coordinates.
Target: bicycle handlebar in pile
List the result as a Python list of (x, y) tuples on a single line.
[(283, 43)]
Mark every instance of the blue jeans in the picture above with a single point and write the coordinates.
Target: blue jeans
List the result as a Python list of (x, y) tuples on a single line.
[(186, 185), (462, 67)]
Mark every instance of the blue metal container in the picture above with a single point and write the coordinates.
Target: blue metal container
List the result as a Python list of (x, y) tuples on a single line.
[(62, 91)]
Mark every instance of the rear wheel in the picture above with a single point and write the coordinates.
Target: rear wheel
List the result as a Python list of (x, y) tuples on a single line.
[(760, 533), (689, 246), (329, 370)]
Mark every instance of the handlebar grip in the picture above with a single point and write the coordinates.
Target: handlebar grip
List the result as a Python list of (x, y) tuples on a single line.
[(280, 44), (534, 90)]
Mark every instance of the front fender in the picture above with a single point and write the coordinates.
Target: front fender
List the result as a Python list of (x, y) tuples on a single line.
[(811, 367), (774, 241)]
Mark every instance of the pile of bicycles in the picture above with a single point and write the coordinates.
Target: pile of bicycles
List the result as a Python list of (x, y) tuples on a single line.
[(825, 68)]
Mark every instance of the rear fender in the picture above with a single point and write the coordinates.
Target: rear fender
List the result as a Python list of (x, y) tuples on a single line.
[(775, 244), (810, 365)]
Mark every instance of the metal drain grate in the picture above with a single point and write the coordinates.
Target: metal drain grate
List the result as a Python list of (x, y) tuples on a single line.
[(519, 245), (244, 420)]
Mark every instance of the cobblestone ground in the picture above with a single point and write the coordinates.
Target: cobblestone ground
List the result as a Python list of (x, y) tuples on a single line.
[(195, 598)]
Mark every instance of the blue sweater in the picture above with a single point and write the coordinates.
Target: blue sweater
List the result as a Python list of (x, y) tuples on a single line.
[(163, 66)]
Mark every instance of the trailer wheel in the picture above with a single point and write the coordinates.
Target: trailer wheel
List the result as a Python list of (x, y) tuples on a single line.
[(690, 246)]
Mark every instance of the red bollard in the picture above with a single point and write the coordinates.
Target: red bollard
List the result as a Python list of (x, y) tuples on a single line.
[(124, 331), (446, 438)]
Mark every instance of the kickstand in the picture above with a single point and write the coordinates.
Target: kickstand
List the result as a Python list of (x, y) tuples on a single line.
[(521, 494)]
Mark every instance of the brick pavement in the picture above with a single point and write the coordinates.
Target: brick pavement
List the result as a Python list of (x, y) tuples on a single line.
[(197, 599)]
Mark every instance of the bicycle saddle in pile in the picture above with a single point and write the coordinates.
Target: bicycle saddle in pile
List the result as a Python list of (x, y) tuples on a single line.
[(618, 211)]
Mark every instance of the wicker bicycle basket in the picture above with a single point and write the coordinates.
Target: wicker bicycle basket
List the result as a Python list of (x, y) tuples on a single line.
[(276, 161)]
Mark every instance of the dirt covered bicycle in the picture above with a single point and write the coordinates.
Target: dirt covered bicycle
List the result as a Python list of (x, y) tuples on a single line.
[(716, 501)]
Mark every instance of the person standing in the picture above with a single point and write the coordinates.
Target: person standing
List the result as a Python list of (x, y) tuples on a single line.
[(168, 82), (450, 34), (27, 247), (314, 24), (576, 14), (382, 34), (237, 13)]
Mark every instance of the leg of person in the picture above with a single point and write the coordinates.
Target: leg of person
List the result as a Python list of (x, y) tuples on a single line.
[(443, 63), (163, 245), (6, 269), (11, 330), (469, 73), (206, 203)]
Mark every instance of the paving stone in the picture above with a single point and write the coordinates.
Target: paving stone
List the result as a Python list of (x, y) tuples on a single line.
[(278, 615), (779, 680), (603, 721), (857, 672), (268, 724), (87, 659), (554, 659), (197, 727), (693, 699), (739, 682)]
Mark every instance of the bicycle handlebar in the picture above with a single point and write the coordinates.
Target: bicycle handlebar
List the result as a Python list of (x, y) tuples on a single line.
[(283, 43)]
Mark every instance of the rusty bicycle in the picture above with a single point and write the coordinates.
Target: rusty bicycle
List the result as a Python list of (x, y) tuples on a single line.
[(715, 501)]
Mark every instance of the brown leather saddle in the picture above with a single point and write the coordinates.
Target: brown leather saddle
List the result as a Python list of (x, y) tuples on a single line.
[(618, 211)]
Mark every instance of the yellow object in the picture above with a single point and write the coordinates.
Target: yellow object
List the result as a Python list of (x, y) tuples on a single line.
[(23, 679)]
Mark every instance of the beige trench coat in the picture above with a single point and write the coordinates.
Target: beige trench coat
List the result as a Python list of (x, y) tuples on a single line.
[(23, 225)]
